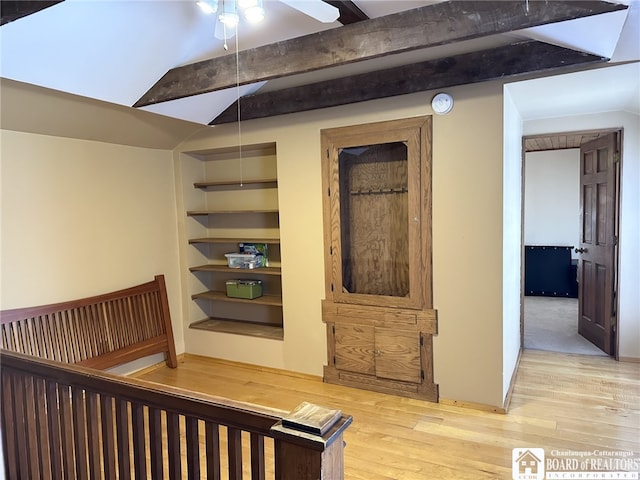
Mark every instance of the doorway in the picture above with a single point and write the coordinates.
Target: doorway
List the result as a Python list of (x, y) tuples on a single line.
[(568, 300)]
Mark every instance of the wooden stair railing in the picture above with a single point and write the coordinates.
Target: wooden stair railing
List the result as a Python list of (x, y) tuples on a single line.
[(64, 421), (99, 332)]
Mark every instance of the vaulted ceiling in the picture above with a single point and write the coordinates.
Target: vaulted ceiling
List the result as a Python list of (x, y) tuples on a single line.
[(162, 56)]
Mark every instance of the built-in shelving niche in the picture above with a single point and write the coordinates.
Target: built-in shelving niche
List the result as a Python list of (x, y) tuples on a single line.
[(231, 196)]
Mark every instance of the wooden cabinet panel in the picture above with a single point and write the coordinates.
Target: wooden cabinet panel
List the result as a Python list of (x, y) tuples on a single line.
[(394, 317), (377, 229), (383, 352), (374, 216), (397, 355), (354, 348)]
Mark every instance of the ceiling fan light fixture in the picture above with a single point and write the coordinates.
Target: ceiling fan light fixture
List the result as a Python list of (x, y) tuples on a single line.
[(229, 19), (208, 6), (228, 14), (254, 13), (244, 4)]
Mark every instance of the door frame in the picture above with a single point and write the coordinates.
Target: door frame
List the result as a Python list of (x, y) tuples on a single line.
[(587, 135)]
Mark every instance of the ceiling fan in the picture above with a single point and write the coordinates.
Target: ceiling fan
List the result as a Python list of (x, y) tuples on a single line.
[(228, 13)]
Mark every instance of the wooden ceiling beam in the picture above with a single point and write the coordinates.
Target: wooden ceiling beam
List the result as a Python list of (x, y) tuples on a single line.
[(11, 10), (428, 26), (349, 11), (492, 64)]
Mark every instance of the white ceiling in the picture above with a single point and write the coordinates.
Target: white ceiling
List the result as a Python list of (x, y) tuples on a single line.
[(115, 50), (612, 89)]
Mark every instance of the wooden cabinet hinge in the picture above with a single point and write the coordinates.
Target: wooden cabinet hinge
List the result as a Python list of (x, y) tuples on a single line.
[(333, 327), (329, 192), (330, 250), (334, 359), (332, 287), (422, 374)]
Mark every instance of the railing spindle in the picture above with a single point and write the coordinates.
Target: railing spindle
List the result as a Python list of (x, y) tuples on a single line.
[(122, 438), (92, 325), (138, 325), (107, 422), (173, 446), (43, 450), (23, 345), (38, 339), (193, 448), (66, 430), (118, 319), (69, 336), (64, 342), (54, 335), (257, 457), (212, 439), (139, 451), (9, 428), (93, 435), (80, 320), (79, 433), (234, 453), (31, 424), (53, 422), (21, 424), (155, 443)]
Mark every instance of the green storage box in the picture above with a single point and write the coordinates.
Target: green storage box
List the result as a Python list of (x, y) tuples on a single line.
[(248, 289)]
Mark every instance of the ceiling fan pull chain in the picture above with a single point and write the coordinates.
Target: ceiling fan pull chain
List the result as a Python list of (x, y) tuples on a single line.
[(238, 104)]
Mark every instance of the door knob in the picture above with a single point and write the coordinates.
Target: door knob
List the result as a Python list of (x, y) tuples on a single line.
[(581, 250)]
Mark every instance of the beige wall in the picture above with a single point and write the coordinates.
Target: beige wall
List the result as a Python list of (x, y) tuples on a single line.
[(467, 230), (82, 217)]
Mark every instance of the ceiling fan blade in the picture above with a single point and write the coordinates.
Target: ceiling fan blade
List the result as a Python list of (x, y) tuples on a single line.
[(321, 11)]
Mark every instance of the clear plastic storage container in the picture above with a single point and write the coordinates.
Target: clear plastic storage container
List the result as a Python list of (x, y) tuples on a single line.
[(242, 260)]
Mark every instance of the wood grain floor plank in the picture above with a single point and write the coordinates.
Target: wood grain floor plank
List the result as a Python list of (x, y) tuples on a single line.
[(560, 401)]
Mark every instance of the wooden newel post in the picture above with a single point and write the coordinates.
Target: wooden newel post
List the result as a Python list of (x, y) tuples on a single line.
[(309, 444)]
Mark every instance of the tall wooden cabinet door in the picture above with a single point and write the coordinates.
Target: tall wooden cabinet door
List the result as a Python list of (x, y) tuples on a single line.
[(354, 346), (377, 214), (398, 355)]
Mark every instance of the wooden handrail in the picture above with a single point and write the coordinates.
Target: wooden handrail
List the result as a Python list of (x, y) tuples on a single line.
[(68, 421)]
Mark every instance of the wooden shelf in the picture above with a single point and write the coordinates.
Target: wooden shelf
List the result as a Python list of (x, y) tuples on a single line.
[(237, 271), (270, 241), (235, 184), (239, 327), (271, 300), (193, 213), (231, 206)]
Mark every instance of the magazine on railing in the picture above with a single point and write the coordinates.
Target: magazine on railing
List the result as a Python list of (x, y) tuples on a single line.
[(312, 418)]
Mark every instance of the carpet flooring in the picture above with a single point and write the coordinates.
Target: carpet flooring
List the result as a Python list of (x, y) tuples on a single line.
[(551, 324)]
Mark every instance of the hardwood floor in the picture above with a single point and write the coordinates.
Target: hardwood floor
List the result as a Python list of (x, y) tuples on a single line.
[(560, 402)]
